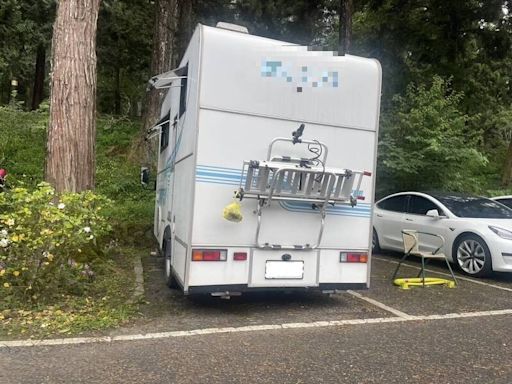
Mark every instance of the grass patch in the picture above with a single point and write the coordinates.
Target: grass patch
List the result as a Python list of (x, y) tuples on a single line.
[(108, 303)]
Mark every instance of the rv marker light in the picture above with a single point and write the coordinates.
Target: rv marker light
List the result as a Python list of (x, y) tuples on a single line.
[(353, 257), (240, 256), (209, 255)]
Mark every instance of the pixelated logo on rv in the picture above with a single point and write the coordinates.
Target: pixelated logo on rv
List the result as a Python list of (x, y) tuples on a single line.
[(299, 77)]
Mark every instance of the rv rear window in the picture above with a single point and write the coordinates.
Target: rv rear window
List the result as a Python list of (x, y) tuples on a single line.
[(183, 91)]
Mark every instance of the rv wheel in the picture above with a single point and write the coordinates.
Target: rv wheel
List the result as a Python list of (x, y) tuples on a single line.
[(375, 242), (169, 276)]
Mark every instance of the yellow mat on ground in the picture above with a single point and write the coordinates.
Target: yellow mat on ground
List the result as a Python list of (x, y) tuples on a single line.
[(406, 283)]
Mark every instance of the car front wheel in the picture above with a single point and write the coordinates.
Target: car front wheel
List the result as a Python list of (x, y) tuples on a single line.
[(473, 256)]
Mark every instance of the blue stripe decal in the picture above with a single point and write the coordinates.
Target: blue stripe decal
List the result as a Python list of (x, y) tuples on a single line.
[(360, 210), (231, 176), (221, 169), (218, 175)]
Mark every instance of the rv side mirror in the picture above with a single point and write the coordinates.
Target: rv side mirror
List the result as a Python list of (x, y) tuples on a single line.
[(433, 213), (144, 176)]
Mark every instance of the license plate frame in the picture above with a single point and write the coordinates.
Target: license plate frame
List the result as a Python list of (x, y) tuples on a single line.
[(284, 270)]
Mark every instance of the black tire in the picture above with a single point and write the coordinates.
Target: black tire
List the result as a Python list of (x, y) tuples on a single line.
[(375, 242), (170, 280), (471, 255)]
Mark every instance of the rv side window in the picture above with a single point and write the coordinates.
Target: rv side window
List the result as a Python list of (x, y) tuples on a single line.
[(183, 92), (164, 141)]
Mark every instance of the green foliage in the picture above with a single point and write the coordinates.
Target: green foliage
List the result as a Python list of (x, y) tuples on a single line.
[(125, 30), (106, 303), (117, 176), (49, 243), (24, 26), (102, 300), (22, 153), (22, 143), (425, 142)]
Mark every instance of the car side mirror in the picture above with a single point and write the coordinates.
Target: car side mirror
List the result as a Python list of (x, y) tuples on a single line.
[(144, 176), (435, 214)]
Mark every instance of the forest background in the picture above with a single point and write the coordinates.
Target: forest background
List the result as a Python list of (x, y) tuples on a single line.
[(447, 65)]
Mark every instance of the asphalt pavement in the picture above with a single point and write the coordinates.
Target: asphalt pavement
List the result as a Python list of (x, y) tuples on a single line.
[(431, 335)]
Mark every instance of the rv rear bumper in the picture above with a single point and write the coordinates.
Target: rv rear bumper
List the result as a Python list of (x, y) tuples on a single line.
[(242, 288)]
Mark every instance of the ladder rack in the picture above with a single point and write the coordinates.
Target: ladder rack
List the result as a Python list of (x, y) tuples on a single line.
[(284, 180), (301, 180)]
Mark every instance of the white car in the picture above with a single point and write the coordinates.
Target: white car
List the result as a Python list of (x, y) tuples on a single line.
[(505, 200), (477, 230)]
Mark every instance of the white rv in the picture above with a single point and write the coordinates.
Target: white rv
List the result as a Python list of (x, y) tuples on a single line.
[(288, 132)]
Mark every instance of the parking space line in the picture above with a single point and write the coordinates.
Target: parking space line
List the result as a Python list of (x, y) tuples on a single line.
[(252, 328), (380, 305), (459, 277)]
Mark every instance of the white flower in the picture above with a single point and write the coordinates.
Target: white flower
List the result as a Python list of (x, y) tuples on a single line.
[(3, 233), (87, 229), (10, 222), (90, 237), (61, 206), (4, 243)]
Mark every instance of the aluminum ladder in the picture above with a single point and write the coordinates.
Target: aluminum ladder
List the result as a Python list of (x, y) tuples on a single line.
[(306, 180)]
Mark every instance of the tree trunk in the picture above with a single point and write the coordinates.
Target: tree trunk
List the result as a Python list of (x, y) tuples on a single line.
[(117, 91), (70, 158), (163, 44), (38, 92), (506, 178), (185, 25), (345, 29)]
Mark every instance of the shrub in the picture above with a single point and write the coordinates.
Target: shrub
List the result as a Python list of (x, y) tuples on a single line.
[(425, 143), (49, 243)]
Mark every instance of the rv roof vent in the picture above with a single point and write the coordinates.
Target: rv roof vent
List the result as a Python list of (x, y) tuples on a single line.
[(232, 27)]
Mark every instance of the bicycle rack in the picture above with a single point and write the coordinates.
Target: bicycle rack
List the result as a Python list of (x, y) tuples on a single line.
[(287, 178)]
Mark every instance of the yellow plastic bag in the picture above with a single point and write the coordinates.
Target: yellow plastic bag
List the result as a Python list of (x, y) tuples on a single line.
[(233, 212)]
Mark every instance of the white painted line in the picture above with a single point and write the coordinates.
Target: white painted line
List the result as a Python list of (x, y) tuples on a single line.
[(252, 328), (380, 305), (194, 332), (446, 274)]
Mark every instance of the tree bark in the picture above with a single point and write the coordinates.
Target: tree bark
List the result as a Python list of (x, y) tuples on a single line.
[(70, 158), (346, 10), (117, 90), (185, 25), (38, 91), (161, 59)]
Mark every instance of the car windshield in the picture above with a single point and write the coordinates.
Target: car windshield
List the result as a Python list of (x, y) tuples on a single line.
[(475, 207)]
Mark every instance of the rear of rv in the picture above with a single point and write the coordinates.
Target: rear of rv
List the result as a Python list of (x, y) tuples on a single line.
[(250, 91)]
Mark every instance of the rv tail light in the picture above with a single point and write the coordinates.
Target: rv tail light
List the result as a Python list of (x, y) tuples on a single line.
[(353, 257), (366, 173), (209, 255), (240, 256), (360, 197)]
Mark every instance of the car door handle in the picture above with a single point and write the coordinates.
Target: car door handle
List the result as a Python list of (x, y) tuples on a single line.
[(378, 215), (407, 219)]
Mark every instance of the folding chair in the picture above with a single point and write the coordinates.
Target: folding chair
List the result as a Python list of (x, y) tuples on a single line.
[(411, 247)]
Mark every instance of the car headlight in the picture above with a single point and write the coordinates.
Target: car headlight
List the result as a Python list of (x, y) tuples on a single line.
[(503, 233)]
